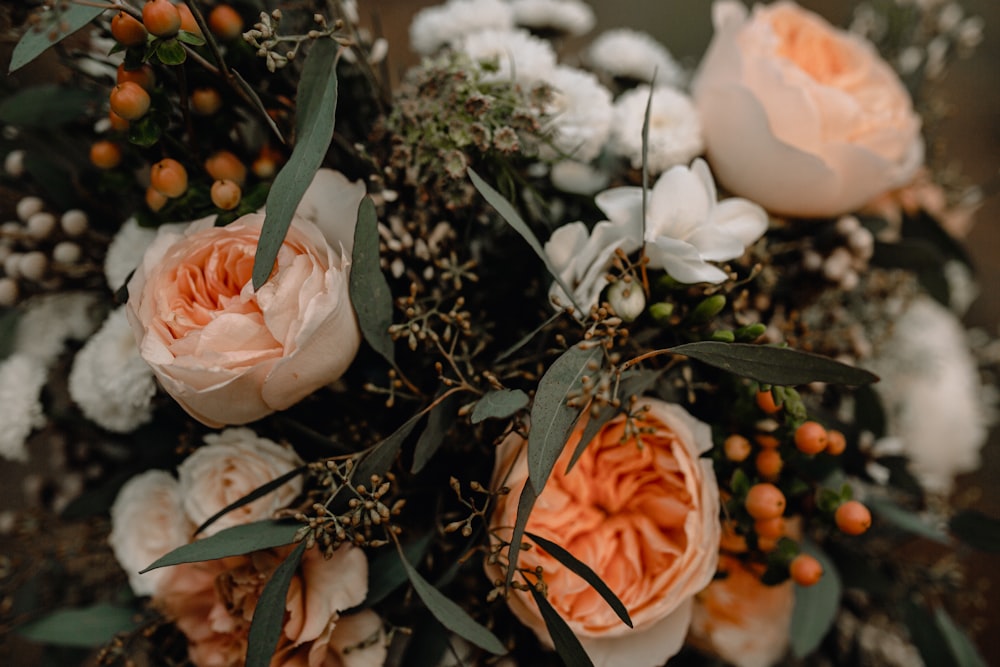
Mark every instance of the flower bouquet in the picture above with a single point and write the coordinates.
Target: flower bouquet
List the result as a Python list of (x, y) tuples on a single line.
[(544, 350)]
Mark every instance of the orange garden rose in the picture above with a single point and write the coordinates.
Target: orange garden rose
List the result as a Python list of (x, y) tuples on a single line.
[(644, 515), (800, 117)]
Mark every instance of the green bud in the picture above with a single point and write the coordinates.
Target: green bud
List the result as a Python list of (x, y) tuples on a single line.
[(708, 309), (750, 332), (661, 312), (723, 336)]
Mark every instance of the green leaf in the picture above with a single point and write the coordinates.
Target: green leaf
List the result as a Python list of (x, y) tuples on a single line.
[(9, 320), (566, 643), (510, 215), (583, 571), (911, 254), (962, 649), (448, 613), (551, 419), (370, 294), (774, 365), (235, 541), (926, 635), (171, 52), (525, 503), (317, 106), (56, 182), (145, 132), (190, 38), (440, 419), (386, 572), (259, 492), (908, 521), (499, 404), (379, 458), (46, 106), (269, 614), (977, 530), (87, 627), (34, 42), (816, 606)]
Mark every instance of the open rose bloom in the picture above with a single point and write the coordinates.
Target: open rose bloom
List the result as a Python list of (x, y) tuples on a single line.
[(644, 517), (229, 354), (800, 117)]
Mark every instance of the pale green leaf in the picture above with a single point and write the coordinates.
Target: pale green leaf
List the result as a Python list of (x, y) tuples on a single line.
[(499, 404), (816, 606), (35, 42), (235, 541), (87, 627), (774, 365), (962, 649), (370, 294), (908, 521), (269, 614), (566, 643), (46, 106)]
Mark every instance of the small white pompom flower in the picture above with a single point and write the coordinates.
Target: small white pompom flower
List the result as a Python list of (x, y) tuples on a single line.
[(126, 251), (509, 55), (436, 26), (21, 381), (571, 17), (631, 54), (674, 129), (579, 113)]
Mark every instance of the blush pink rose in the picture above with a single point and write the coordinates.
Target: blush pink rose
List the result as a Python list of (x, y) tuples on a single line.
[(644, 517), (229, 354), (802, 118)]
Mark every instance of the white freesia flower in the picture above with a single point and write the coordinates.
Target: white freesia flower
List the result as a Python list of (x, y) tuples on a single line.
[(571, 17), (578, 113), (21, 380), (674, 128), (125, 252), (685, 227), (436, 26), (110, 381), (632, 54), (509, 55), (578, 177)]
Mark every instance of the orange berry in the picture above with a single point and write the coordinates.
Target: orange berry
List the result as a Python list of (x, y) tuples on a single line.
[(226, 195), (129, 100), (188, 23), (205, 101), (853, 518), (765, 401), (772, 528), (127, 30), (161, 18), (737, 448), (836, 443), (767, 544), (223, 165), (732, 541), (117, 122), (225, 22), (144, 76), (105, 154), (169, 178), (767, 441), (769, 463), (810, 437), (764, 501), (266, 164), (155, 200), (805, 570)]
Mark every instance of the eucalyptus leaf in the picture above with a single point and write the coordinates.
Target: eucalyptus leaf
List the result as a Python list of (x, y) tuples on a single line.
[(259, 492), (816, 606), (379, 458), (269, 614), (450, 614), (908, 521), (911, 254), (552, 419), (499, 404), (774, 365), (46, 106), (35, 42), (235, 541), (566, 643), (440, 419), (386, 572), (512, 218), (582, 570), (962, 649), (171, 52), (977, 530), (87, 627), (370, 294), (317, 105), (525, 503)]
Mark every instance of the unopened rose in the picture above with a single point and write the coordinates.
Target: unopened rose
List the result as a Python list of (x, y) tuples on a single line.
[(229, 354), (800, 117), (644, 516), (231, 465)]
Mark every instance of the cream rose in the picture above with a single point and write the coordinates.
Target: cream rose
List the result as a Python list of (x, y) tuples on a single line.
[(231, 465), (147, 522), (644, 517), (228, 354), (800, 117)]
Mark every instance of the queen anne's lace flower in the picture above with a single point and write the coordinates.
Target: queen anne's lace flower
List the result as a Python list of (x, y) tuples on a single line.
[(21, 381), (632, 54), (674, 129), (435, 27), (509, 55), (564, 16), (579, 113)]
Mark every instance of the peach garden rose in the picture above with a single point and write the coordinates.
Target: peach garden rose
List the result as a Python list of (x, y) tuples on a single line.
[(644, 516), (802, 118), (229, 354)]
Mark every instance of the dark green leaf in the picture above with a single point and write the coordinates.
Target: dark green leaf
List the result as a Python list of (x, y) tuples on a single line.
[(511, 216), (317, 105), (962, 649), (54, 180), (235, 541), (269, 615), (583, 571), (145, 132), (774, 365), (524, 505), (816, 606), (34, 42), (440, 419), (450, 614), (9, 319), (869, 414), (499, 404), (908, 521), (566, 643), (87, 627), (370, 294), (46, 106), (259, 492), (911, 254), (386, 573), (926, 635), (551, 419), (977, 530), (378, 459), (171, 52), (190, 38)]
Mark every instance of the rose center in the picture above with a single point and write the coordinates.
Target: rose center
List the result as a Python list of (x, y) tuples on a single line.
[(812, 49)]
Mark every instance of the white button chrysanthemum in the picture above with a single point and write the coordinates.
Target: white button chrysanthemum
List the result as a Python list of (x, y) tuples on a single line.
[(509, 55), (578, 112), (632, 54), (571, 17), (674, 128), (436, 26), (578, 178), (110, 381), (21, 381), (125, 252), (49, 321)]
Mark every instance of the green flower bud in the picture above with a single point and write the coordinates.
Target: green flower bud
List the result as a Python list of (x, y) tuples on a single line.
[(708, 309)]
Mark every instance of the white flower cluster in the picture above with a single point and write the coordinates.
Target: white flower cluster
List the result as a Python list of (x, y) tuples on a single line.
[(571, 17), (438, 26)]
